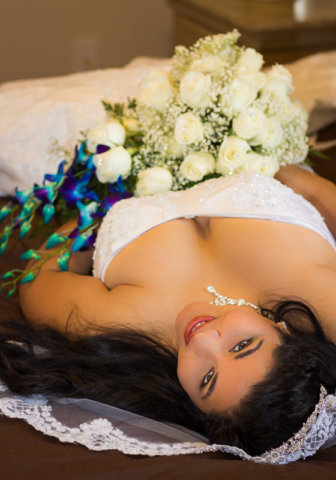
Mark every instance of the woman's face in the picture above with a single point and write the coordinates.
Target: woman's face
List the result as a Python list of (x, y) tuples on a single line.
[(219, 360)]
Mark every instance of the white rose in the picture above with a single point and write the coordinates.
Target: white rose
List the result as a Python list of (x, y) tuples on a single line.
[(196, 165), (277, 86), (111, 164), (156, 89), (110, 134), (188, 129), (249, 75), (298, 109), (265, 165), (208, 64), (194, 88), (242, 94), (174, 149), (271, 136), (251, 59), (153, 180), (228, 54), (260, 80), (232, 154), (132, 124), (289, 110), (250, 123), (302, 155), (278, 72)]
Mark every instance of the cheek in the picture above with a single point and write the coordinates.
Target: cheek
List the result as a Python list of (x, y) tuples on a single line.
[(187, 374)]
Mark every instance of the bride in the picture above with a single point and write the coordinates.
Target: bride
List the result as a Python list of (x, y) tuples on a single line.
[(145, 334)]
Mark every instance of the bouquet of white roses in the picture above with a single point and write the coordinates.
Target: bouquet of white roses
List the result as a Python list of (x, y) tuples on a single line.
[(214, 114)]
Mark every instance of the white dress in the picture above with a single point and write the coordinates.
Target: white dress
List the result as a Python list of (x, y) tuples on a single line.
[(246, 195)]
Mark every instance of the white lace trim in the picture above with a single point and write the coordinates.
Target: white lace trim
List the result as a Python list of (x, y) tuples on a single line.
[(100, 433)]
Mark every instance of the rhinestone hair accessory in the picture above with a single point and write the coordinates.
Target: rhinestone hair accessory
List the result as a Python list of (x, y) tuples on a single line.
[(297, 441), (221, 300)]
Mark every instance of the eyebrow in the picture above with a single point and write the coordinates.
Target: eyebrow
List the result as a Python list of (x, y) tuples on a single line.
[(237, 357), (211, 388)]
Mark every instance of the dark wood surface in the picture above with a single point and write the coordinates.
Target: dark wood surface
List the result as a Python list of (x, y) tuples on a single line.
[(281, 31)]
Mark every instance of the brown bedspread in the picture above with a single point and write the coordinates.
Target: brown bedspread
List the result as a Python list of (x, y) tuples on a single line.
[(26, 454)]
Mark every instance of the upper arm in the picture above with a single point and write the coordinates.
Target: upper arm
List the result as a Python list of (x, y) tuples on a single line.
[(52, 297)]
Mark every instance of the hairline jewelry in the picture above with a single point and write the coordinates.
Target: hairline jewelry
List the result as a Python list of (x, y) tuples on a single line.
[(297, 441)]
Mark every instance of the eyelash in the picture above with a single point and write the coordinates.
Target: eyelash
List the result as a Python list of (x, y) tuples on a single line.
[(244, 343)]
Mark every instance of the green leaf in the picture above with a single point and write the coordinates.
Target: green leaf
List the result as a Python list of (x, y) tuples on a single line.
[(115, 110), (132, 103), (7, 275), (317, 153), (55, 239), (30, 254), (28, 278)]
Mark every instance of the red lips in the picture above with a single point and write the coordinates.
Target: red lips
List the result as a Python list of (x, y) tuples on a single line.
[(192, 326)]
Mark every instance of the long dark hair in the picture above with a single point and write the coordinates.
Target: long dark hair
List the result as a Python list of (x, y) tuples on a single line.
[(134, 371), (277, 407)]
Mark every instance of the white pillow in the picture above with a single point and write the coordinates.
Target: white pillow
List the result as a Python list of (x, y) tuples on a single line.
[(34, 114), (314, 78)]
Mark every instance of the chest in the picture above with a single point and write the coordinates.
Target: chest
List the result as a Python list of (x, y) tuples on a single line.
[(245, 251)]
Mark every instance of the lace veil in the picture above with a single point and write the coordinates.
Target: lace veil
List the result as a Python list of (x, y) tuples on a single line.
[(102, 427)]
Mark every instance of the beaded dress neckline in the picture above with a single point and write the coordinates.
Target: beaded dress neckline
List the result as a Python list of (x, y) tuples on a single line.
[(245, 195)]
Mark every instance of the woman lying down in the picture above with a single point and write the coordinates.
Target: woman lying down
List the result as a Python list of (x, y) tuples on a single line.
[(211, 308)]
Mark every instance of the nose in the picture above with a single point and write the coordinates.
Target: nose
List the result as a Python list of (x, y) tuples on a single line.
[(206, 342)]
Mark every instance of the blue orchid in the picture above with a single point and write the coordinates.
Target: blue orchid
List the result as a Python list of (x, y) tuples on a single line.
[(5, 211), (48, 212), (90, 165), (25, 228), (22, 196), (74, 191), (119, 186), (102, 149), (80, 155), (59, 175), (85, 214), (117, 192), (63, 261), (28, 278), (82, 240), (46, 193), (55, 239)]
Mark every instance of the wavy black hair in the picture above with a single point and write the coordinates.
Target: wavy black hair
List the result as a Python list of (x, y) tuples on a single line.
[(134, 371)]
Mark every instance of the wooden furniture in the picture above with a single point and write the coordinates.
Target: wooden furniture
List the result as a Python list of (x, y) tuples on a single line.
[(282, 31)]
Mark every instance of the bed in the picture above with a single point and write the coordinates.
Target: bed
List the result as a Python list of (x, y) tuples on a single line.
[(27, 454)]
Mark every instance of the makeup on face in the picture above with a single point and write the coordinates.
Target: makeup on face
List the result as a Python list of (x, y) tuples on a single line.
[(208, 336), (195, 325)]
